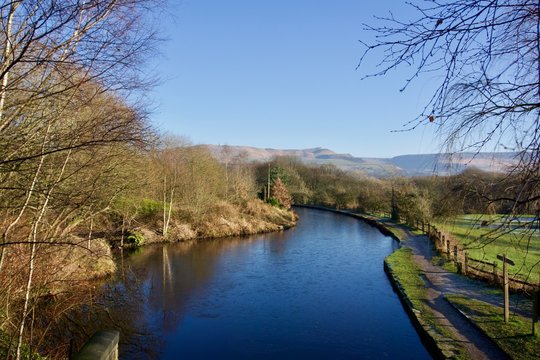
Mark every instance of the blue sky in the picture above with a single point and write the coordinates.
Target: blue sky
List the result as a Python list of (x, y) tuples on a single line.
[(281, 74)]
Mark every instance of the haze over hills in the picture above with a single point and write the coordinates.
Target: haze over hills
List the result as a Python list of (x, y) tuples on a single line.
[(405, 165)]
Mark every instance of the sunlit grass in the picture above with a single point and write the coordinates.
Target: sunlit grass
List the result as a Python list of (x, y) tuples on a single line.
[(486, 236), (515, 337), (408, 275)]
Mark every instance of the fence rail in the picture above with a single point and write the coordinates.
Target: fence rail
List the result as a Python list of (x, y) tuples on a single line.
[(447, 246), (481, 261)]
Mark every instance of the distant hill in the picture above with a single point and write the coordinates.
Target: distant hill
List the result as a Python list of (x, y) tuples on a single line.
[(405, 165)]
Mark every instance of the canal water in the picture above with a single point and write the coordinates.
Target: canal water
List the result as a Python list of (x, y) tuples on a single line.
[(317, 291)]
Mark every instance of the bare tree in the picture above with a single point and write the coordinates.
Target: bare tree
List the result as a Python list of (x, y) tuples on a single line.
[(485, 56), (69, 71), (170, 158)]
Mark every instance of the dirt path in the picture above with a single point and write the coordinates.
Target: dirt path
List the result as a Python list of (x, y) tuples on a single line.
[(440, 282)]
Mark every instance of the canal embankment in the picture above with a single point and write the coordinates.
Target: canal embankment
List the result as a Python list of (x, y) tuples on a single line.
[(422, 288), (222, 220), (318, 289)]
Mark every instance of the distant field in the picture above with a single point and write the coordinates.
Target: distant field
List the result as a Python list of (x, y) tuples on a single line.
[(485, 236)]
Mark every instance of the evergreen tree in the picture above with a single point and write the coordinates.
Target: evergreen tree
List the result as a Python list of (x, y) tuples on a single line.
[(281, 194)]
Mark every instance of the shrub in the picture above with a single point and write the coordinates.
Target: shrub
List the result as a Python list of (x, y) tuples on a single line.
[(274, 202), (136, 239), (149, 208)]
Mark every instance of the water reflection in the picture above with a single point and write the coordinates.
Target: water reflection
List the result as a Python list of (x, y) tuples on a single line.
[(316, 291)]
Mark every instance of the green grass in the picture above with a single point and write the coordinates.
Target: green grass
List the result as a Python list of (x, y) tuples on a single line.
[(444, 263), (486, 242), (513, 337), (400, 230), (408, 274), (417, 232)]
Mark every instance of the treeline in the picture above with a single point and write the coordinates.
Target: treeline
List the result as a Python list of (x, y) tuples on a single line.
[(181, 192), (66, 202), (411, 199)]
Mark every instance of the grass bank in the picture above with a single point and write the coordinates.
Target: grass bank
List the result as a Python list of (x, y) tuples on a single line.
[(406, 278), (220, 220), (515, 337)]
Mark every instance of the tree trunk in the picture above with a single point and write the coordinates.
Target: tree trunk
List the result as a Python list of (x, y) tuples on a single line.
[(31, 264), (6, 63)]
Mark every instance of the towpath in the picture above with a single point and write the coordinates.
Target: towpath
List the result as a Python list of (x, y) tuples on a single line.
[(441, 282)]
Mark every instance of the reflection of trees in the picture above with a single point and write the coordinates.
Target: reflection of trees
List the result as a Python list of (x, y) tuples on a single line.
[(278, 243), (148, 296)]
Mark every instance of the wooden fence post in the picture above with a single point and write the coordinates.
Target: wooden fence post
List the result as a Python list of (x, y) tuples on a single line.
[(536, 310), (495, 276), (448, 249), (465, 263), (506, 290)]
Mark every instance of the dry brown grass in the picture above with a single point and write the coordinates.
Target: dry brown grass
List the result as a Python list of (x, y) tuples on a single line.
[(255, 217), (225, 219)]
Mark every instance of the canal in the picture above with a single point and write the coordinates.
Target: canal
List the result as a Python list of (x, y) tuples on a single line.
[(317, 291)]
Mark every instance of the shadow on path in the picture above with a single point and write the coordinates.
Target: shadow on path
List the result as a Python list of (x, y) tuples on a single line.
[(441, 282)]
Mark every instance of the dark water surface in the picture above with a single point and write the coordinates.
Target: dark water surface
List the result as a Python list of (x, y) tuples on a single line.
[(317, 291)]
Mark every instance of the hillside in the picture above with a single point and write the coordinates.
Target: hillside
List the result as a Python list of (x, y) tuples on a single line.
[(405, 165)]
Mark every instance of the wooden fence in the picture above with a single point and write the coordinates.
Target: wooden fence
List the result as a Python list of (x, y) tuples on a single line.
[(466, 265)]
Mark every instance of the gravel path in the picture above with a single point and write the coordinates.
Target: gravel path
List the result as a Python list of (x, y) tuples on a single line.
[(441, 282)]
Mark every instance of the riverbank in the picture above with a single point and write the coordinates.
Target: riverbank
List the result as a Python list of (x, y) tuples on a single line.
[(425, 290), (467, 314), (82, 264), (447, 334), (220, 221), (78, 260), (301, 284)]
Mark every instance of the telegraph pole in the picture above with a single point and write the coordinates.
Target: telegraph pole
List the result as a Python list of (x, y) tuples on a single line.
[(268, 186)]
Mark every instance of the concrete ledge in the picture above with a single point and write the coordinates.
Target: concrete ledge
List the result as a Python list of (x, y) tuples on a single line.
[(103, 345)]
